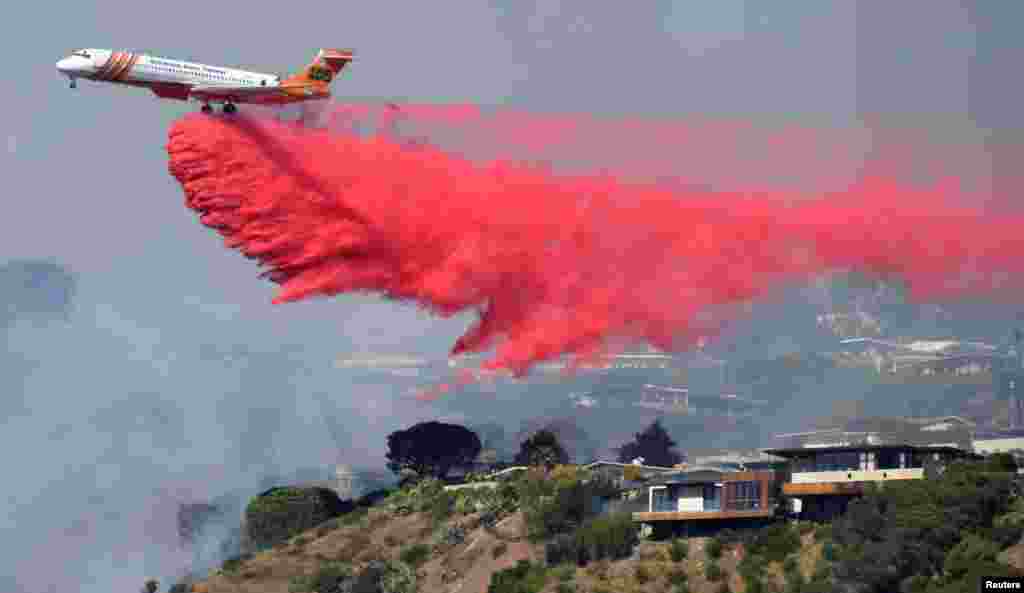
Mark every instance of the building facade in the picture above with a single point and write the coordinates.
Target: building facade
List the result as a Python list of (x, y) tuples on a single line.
[(700, 499), (822, 481)]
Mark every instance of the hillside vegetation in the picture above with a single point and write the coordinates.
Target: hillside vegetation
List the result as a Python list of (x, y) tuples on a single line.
[(545, 532)]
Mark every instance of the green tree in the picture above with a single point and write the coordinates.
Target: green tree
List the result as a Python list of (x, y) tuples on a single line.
[(654, 445), (432, 448), (542, 449)]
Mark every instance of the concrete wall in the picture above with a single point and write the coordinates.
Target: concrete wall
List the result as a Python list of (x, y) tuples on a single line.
[(691, 499), (998, 445), (879, 475)]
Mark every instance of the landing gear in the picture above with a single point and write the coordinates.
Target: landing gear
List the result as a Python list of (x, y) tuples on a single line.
[(230, 108), (206, 108), (74, 83)]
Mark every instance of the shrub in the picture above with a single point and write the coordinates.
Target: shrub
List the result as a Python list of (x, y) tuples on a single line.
[(441, 506), (712, 571), (971, 551), (823, 532), (565, 474), (609, 536), (397, 577), (714, 548), (329, 577), (566, 588), (791, 569), (415, 554), (524, 577), (775, 542), (724, 587), (499, 549), (612, 537), (355, 516), (281, 513), (642, 574), (565, 572), (753, 584), (464, 504), (678, 577), (234, 564), (822, 571), (679, 550)]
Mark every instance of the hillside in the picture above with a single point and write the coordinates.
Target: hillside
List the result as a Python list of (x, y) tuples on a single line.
[(538, 534)]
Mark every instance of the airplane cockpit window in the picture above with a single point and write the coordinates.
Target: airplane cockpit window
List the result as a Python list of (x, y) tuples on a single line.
[(81, 53)]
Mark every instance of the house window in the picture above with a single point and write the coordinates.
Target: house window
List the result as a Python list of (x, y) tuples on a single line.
[(712, 498), (660, 501), (744, 496), (840, 461)]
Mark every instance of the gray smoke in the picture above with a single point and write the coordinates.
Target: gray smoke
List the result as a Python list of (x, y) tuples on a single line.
[(39, 289)]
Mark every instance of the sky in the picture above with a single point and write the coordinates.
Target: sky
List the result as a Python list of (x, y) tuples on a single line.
[(174, 378)]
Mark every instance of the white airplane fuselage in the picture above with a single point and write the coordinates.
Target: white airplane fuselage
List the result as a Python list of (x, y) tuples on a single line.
[(127, 68), (183, 80)]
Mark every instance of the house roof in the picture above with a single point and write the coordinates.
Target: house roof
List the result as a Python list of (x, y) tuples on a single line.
[(697, 475), (797, 451), (617, 464)]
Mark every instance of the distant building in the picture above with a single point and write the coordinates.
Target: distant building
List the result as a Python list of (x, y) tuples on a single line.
[(1000, 441), (344, 482), (953, 431)]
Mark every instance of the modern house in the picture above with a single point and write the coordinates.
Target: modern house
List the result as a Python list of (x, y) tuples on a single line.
[(703, 498), (823, 480)]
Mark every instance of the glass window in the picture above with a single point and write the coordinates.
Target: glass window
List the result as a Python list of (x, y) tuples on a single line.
[(661, 502), (712, 498), (840, 461), (744, 496)]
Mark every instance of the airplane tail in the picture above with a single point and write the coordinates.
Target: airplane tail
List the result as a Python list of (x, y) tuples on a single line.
[(324, 68)]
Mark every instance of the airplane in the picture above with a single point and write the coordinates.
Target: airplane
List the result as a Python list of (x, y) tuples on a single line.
[(184, 81)]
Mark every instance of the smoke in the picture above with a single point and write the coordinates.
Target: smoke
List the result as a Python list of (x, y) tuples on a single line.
[(556, 263), (38, 289), (128, 417)]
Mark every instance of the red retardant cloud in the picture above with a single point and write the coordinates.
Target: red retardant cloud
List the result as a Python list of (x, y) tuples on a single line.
[(555, 263)]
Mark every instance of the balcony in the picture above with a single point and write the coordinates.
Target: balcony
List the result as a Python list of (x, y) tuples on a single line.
[(844, 482), (706, 515), (878, 475)]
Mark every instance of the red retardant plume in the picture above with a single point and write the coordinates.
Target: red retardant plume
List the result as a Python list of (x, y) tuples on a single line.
[(558, 264)]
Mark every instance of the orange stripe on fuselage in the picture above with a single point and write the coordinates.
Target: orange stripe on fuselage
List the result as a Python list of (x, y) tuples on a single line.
[(127, 66), (112, 62), (117, 66)]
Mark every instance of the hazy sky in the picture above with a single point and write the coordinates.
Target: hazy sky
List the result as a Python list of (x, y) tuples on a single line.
[(122, 410)]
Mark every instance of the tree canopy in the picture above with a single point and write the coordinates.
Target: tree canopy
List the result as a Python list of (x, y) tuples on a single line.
[(654, 445), (543, 449), (432, 448), (576, 442), (897, 537)]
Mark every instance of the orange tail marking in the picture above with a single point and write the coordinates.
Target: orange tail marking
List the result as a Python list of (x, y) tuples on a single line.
[(327, 64)]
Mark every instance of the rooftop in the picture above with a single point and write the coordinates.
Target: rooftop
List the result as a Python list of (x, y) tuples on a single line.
[(797, 451)]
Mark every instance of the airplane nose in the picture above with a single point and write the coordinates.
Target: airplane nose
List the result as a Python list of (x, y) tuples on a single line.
[(73, 65)]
